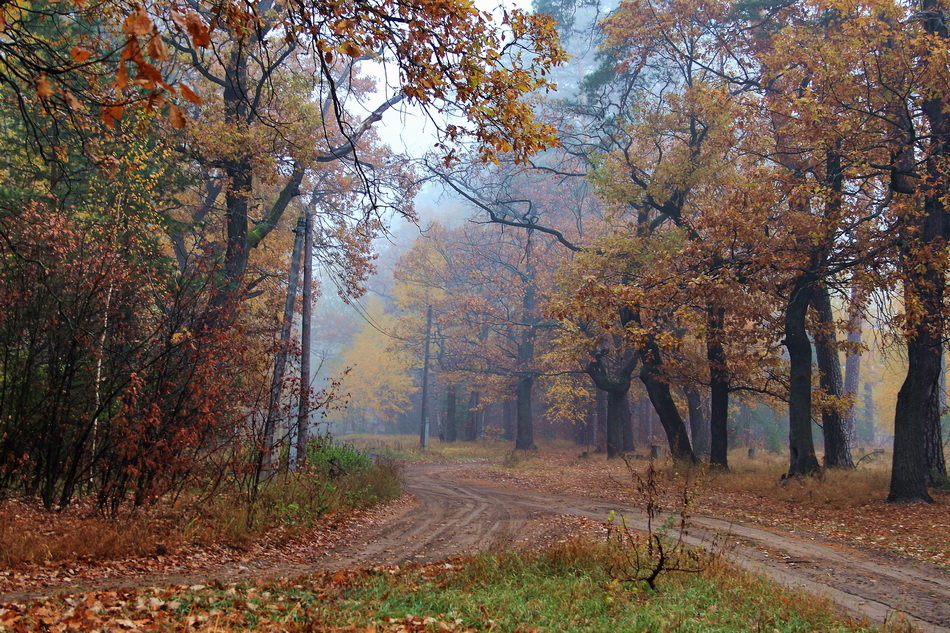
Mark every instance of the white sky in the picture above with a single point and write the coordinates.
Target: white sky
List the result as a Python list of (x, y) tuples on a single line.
[(406, 128)]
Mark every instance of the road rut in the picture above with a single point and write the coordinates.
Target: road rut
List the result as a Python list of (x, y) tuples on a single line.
[(455, 514)]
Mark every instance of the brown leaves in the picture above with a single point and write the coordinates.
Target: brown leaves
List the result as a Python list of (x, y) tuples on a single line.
[(138, 23), (176, 117), (351, 49), (80, 55), (43, 88), (195, 26), (189, 94), (111, 114)]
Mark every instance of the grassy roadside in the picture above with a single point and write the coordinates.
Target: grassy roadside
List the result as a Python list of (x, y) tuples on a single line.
[(337, 479), (405, 448), (569, 588)]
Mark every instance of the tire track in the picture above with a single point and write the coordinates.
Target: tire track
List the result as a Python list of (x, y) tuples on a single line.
[(454, 514)]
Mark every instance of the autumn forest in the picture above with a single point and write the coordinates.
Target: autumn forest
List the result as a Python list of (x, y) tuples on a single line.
[(267, 266)]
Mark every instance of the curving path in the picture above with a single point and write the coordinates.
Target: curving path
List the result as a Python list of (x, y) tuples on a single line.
[(458, 515)]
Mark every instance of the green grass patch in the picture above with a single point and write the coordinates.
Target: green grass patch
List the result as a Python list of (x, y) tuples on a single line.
[(405, 448), (571, 588), (337, 478)]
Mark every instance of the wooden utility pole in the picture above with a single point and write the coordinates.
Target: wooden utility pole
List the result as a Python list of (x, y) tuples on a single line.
[(303, 410), (424, 430)]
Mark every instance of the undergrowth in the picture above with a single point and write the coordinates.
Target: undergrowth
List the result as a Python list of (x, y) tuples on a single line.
[(338, 478)]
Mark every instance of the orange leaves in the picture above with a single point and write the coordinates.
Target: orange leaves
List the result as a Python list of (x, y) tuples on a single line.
[(43, 88), (189, 94), (111, 114), (351, 49), (192, 23), (342, 27), (121, 78), (176, 117), (80, 55), (138, 23)]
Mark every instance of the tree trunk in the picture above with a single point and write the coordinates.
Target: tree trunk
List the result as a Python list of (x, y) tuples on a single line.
[(802, 459), (303, 410), (627, 425), (239, 179), (627, 428), (924, 289), (524, 437), (584, 427), (524, 429), (852, 365), (718, 389), (665, 407), (651, 364), (616, 387), (471, 425), (450, 430), (698, 428), (925, 277), (508, 413), (590, 426), (933, 439), (600, 421), (838, 439), (909, 470), (618, 416), (266, 458)]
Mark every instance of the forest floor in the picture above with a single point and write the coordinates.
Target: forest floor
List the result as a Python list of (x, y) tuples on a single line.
[(844, 506), (523, 502)]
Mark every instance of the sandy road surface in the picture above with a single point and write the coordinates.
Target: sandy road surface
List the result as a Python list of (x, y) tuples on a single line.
[(457, 514)]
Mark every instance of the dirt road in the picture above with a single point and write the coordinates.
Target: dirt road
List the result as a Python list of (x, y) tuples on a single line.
[(456, 514)]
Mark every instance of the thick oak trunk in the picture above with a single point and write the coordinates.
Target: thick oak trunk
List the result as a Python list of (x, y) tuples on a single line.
[(802, 459), (618, 415), (698, 424), (658, 390), (838, 436), (626, 428), (925, 276), (933, 441), (524, 435), (909, 464), (924, 288), (600, 421), (613, 386), (508, 419), (665, 407)]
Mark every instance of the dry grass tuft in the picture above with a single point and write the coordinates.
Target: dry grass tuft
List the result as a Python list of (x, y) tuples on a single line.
[(832, 488), (406, 448), (29, 535)]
